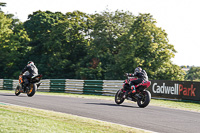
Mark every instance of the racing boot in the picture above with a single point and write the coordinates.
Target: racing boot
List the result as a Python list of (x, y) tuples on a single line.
[(132, 91)]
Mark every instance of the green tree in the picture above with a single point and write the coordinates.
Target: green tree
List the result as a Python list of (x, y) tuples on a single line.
[(169, 71), (108, 27), (41, 22), (193, 74), (59, 49), (78, 45), (5, 33), (2, 4), (147, 46), (39, 28), (12, 41)]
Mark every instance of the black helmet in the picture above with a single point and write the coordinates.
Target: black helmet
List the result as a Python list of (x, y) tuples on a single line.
[(138, 69)]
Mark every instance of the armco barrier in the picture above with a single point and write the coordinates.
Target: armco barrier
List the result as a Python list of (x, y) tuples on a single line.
[(1, 83), (93, 87), (45, 86), (57, 85), (110, 87), (8, 84), (184, 90), (74, 86)]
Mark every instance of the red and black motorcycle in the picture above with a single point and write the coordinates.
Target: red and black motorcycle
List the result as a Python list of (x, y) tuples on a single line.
[(141, 96)]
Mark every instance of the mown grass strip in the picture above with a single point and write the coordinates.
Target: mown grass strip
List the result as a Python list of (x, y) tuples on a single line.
[(182, 105), (14, 119)]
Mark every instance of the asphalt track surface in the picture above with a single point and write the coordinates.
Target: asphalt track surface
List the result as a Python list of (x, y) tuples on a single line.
[(156, 119)]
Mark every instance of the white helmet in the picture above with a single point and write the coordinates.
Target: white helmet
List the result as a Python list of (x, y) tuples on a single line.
[(138, 69), (30, 63)]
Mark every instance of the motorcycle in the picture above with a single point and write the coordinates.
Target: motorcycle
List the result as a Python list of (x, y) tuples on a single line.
[(31, 88), (141, 96)]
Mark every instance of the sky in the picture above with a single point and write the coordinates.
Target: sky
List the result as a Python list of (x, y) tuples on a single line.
[(179, 18)]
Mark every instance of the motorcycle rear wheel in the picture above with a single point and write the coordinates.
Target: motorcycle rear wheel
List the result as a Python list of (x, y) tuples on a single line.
[(119, 97), (32, 89), (17, 92), (145, 100)]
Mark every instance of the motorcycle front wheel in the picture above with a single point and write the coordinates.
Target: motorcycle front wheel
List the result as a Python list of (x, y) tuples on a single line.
[(32, 89), (145, 99), (119, 97), (17, 92)]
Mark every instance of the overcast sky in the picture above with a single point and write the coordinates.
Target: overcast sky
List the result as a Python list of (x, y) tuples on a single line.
[(179, 18)]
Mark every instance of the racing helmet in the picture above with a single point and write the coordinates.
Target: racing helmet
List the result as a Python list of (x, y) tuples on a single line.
[(30, 63), (138, 69)]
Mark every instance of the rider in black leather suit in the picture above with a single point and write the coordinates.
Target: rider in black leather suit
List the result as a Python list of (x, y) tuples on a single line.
[(32, 69)]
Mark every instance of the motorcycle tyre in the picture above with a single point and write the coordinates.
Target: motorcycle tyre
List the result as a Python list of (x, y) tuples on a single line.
[(32, 90), (117, 96), (147, 100), (17, 92)]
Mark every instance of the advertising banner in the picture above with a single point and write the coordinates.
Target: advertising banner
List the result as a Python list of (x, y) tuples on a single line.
[(184, 90)]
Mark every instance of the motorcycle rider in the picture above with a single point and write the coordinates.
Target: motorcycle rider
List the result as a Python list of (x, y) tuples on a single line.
[(141, 75), (32, 69)]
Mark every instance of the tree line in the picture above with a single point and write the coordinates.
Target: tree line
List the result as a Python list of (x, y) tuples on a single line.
[(77, 45)]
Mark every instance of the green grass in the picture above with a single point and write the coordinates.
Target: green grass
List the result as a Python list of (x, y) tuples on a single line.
[(16, 119), (183, 105)]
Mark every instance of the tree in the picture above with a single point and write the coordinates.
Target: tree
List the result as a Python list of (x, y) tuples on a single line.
[(59, 49), (5, 34), (12, 39), (40, 23), (39, 27), (15, 20), (106, 33), (193, 74), (79, 45), (2, 4), (169, 71), (147, 46)]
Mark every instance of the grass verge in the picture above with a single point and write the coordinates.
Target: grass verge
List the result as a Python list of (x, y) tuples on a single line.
[(29, 120), (183, 105)]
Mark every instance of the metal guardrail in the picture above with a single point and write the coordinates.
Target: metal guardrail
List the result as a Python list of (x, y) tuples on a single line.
[(185, 90), (8, 83), (74, 86), (1, 83), (95, 87)]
